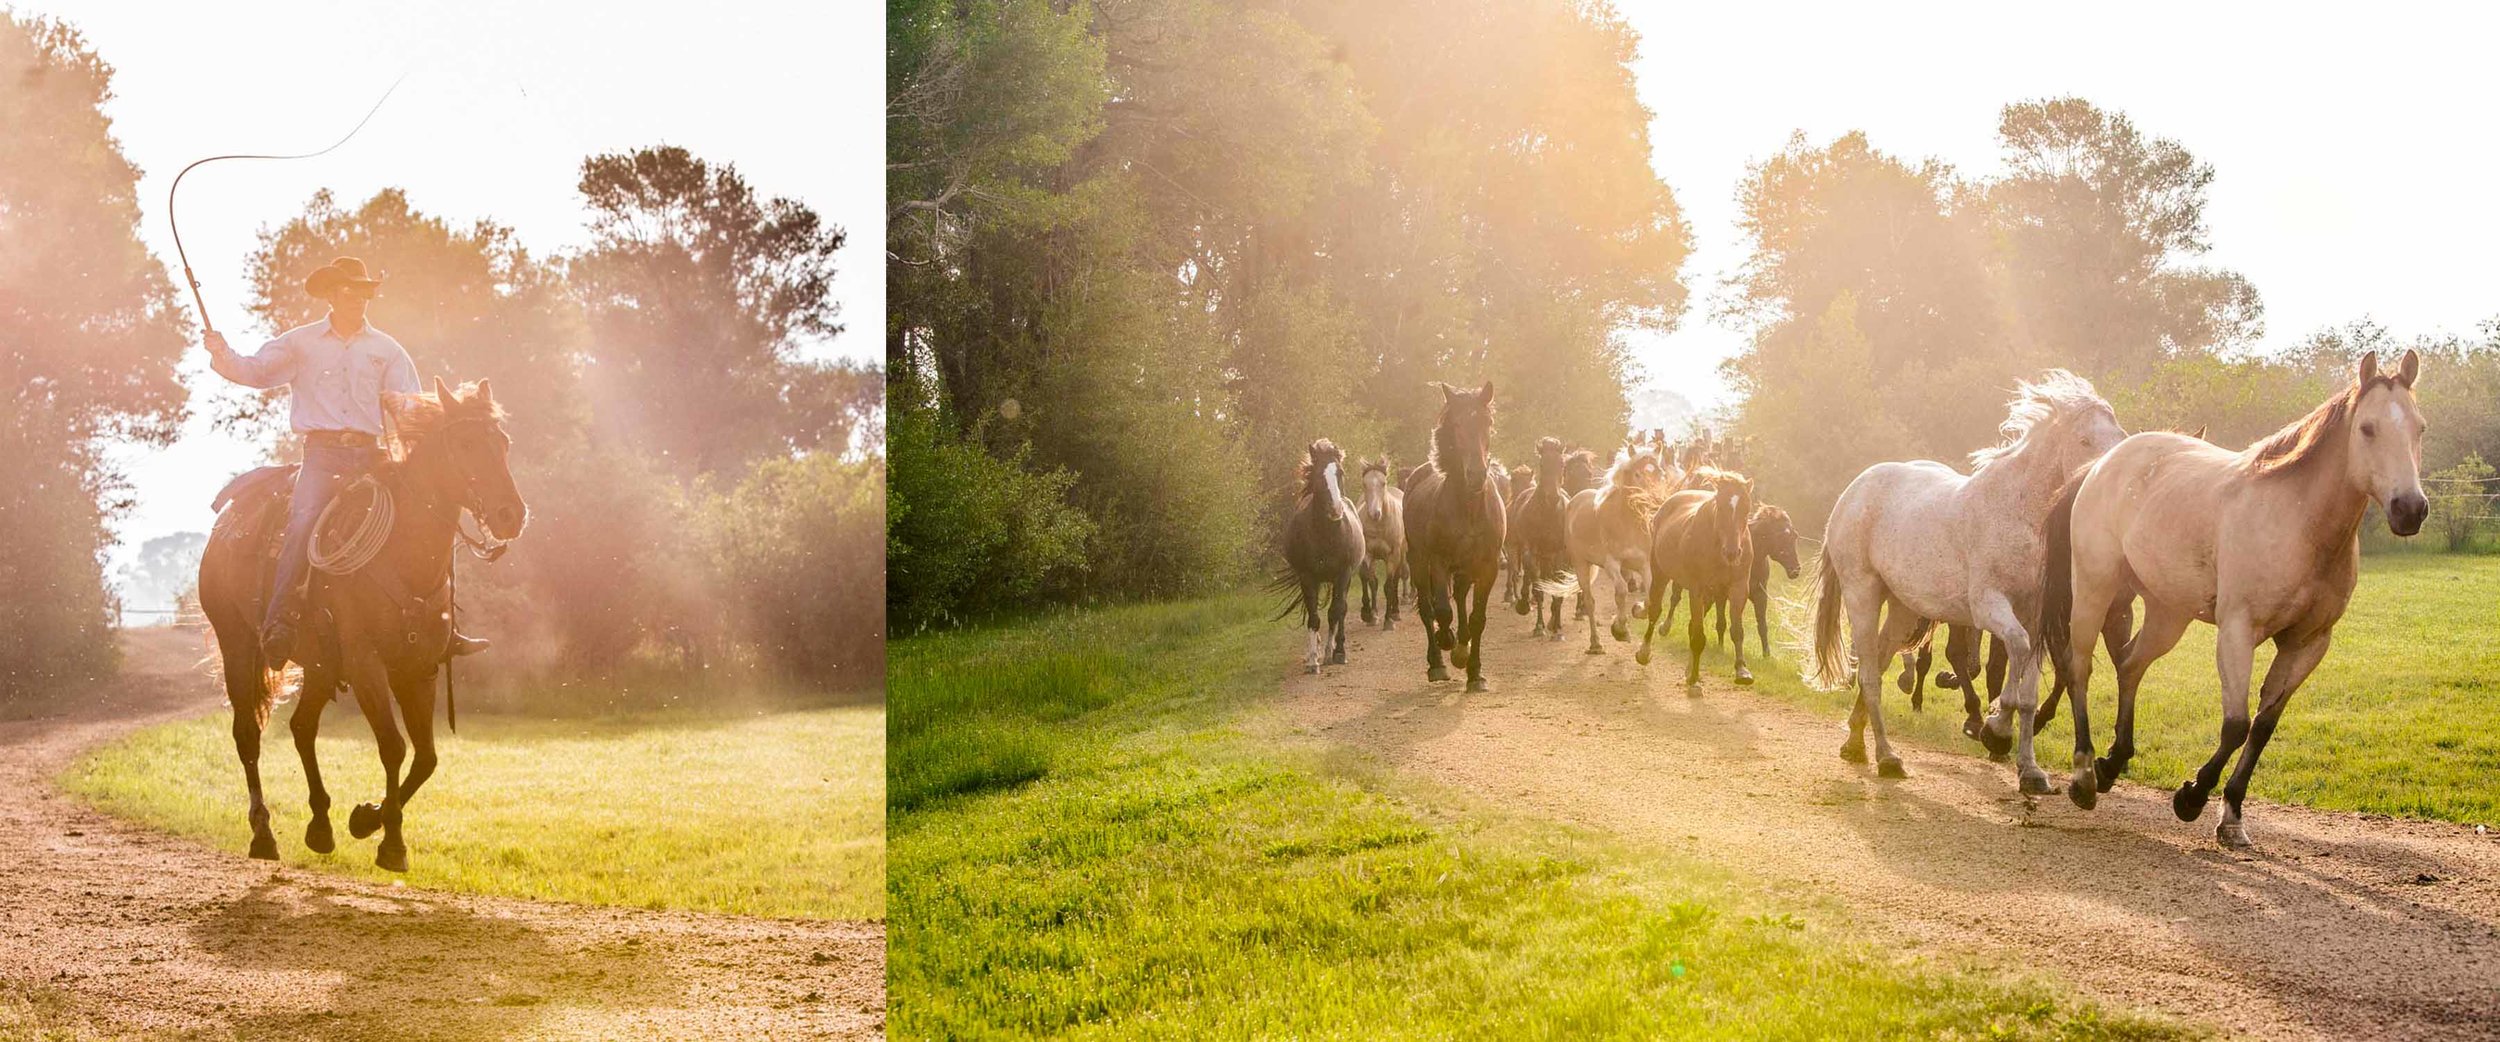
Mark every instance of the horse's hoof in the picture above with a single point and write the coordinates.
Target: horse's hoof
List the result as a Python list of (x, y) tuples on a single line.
[(1744, 677), (1475, 685), (2189, 802), (265, 848), (1641, 656), (1310, 668), (1971, 729), (1902, 680), (1918, 701), (1853, 751), (1890, 767), (1998, 744), (1336, 658), (2035, 782), (1519, 607), (2105, 772), (1620, 632), (1436, 674), (317, 836), (1444, 639), (1595, 650), (2232, 834), (1948, 680), (1367, 617), (2081, 789), (392, 857), (1388, 624), (364, 819), (1692, 678)]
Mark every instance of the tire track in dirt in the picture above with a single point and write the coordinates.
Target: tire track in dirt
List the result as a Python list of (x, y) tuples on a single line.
[(146, 933), (2338, 926)]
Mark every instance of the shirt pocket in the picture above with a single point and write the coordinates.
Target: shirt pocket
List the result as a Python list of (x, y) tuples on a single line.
[(364, 372)]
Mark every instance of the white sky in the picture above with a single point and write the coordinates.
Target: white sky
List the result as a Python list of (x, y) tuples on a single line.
[(501, 103), (2353, 151)]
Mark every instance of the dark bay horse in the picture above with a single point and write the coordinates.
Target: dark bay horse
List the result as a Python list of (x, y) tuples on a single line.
[(1383, 513), (382, 629), (1323, 544), (1455, 525), (1536, 533), (1700, 540), (1774, 542)]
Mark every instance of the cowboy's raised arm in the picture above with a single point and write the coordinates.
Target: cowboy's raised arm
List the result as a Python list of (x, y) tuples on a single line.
[(268, 367)]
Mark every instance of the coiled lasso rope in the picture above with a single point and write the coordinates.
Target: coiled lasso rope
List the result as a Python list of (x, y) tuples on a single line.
[(362, 545)]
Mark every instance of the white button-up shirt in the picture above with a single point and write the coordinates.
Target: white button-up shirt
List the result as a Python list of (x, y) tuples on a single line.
[(334, 381)]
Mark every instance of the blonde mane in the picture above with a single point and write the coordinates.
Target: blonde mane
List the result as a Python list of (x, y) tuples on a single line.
[(2055, 396), (415, 417)]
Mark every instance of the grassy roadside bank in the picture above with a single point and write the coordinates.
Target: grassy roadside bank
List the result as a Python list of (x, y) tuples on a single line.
[(1083, 843), (753, 813)]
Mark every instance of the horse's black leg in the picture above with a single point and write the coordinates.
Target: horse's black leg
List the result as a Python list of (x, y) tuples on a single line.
[(1336, 619), (1475, 638), (1426, 592), (2234, 656), (305, 723), (1649, 628), (248, 697), (1916, 675), (1367, 590), (2293, 659), (416, 707), (1761, 619), (1697, 636), (1312, 653), (371, 684)]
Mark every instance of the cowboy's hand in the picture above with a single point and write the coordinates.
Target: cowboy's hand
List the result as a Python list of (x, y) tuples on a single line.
[(215, 342)]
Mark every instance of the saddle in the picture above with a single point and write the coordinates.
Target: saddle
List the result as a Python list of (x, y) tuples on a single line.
[(252, 510)]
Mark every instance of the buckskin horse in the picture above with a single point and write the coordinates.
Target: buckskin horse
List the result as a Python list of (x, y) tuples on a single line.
[(1910, 545), (1323, 543), (2264, 543), (382, 629), (1384, 541), (1606, 529), (1455, 526)]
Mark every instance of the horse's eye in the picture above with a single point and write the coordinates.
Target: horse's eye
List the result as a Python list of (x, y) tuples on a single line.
[(2369, 430)]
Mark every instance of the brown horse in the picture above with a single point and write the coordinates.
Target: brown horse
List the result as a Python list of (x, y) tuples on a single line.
[(1455, 526), (1774, 540), (1700, 540), (383, 629), (1536, 531), (2264, 543), (1606, 529), (1383, 514), (1323, 543)]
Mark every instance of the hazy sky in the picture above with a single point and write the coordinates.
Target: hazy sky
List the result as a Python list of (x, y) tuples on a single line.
[(2356, 172), (501, 103)]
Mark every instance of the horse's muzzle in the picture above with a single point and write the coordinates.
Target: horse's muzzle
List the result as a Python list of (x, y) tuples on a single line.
[(507, 521), (2406, 513)]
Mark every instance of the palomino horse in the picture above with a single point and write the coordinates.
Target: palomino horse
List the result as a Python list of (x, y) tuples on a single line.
[(1323, 543), (1383, 514), (1536, 529), (2264, 543), (382, 629), (1700, 541), (1454, 530), (1913, 542), (1607, 529)]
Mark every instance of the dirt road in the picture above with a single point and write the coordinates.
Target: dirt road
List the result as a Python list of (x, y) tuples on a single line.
[(2338, 926), (147, 934)]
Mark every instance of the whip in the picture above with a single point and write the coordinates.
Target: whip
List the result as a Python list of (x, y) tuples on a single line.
[(170, 220)]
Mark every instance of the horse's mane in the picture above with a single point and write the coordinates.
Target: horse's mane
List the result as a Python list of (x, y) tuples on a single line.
[(1717, 480), (1621, 472), (1441, 433), (2056, 395), (2300, 440), (1580, 468), (415, 417)]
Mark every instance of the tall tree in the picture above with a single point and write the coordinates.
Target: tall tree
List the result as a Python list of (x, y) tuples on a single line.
[(90, 333)]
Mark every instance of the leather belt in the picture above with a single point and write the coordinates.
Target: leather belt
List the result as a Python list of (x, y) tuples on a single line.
[(342, 439)]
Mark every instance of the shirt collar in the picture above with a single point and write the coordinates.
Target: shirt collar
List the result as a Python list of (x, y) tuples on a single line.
[(329, 327)]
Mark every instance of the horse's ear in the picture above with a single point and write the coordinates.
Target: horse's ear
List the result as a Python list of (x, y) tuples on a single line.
[(1446, 395), (2365, 370), (485, 392), (2409, 368), (442, 391), (1486, 392)]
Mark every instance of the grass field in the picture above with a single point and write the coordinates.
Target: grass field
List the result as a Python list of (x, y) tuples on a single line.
[(2403, 716), (774, 814), (1084, 844)]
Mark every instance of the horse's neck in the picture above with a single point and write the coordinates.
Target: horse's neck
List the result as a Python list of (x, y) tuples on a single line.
[(2320, 490), (420, 542), (2024, 481)]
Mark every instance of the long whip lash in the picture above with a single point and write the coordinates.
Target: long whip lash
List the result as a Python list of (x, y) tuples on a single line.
[(185, 257)]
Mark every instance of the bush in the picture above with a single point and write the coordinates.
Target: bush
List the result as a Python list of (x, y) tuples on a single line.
[(967, 532), (795, 549)]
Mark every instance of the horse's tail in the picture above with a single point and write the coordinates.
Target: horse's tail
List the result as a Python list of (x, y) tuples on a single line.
[(1831, 660), (1559, 584), (1288, 587), (2057, 576)]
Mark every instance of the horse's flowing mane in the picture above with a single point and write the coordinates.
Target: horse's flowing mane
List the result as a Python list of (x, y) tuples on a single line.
[(415, 417), (2038, 403), (1717, 480), (1620, 475), (2300, 440)]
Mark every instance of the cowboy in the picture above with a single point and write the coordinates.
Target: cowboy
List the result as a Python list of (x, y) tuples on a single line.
[(336, 371)]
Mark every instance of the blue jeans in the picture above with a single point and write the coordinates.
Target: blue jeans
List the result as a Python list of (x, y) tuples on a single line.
[(326, 470)]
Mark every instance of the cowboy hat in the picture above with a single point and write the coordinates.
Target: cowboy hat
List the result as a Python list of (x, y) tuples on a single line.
[(337, 275)]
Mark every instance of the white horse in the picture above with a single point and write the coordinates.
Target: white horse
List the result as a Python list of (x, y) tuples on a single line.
[(2264, 543), (1910, 545)]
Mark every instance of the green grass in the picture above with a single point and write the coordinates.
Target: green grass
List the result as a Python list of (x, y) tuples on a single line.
[(2403, 716), (1086, 844), (772, 813)]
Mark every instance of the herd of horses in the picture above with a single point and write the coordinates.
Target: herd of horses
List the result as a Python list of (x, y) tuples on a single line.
[(2067, 519)]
